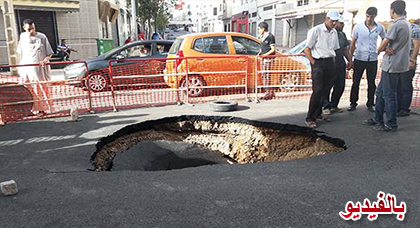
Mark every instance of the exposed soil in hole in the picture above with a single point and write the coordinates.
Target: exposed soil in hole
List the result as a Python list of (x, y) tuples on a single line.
[(244, 141)]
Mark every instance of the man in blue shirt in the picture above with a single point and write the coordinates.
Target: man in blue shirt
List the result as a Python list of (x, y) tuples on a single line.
[(364, 41)]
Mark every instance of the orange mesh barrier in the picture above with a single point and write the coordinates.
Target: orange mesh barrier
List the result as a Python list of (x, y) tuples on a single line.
[(416, 89), (140, 82), (25, 98), (131, 83), (206, 79), (284, 76)]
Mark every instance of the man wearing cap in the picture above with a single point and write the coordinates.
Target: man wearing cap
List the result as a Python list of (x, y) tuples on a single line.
[(393, 66), (364, 41), (405, 85), (320, 49), (339, 81)]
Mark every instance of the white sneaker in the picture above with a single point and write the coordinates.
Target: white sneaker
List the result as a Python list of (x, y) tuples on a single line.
[(326, 111)]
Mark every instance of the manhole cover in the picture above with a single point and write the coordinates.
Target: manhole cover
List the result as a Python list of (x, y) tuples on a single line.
[(240, 140)]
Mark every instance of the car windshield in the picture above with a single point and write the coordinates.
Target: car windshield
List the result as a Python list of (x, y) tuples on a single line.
[(298, 49), (175, 46), (124, 50)]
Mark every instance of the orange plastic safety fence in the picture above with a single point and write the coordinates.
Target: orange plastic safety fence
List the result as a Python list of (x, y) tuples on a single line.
[(26, 96), (283, 77), (416, 89), (140, 82), (134, 83), (216, 78)]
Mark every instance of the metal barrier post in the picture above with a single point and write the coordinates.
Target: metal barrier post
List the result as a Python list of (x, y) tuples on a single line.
[(246, 79), (177, 84), (187, 80), (89, 90), (256, 80), (114, 103)]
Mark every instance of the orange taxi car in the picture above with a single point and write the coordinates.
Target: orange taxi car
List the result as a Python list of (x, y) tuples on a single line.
[(204, 50)]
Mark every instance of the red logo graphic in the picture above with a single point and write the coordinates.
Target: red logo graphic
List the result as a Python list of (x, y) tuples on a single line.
[(382, 206)]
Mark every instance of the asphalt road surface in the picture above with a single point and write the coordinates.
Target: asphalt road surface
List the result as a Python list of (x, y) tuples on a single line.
[(49, 160)]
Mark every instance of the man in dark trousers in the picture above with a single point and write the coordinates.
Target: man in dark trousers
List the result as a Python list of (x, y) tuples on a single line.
[(394, 65), (364, 41), (320, 49), (339, 82), (268, 47), (405, 85)]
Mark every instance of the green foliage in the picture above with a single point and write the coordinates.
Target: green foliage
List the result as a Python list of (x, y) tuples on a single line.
[(156, 11)]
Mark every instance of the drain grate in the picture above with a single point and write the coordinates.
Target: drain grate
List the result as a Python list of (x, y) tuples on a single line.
[(244, 141)]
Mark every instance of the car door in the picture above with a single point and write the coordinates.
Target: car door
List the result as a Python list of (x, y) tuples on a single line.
[(127, 71), (210, 48), (251, 48)]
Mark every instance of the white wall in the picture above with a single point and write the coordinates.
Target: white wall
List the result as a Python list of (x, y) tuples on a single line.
[(412, 8), (267, 15)]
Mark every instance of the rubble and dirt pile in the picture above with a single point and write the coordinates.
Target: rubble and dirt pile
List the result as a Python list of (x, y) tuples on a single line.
[(243, 140)]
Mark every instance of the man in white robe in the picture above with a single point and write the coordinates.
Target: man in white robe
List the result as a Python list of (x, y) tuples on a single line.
[(34, 48)]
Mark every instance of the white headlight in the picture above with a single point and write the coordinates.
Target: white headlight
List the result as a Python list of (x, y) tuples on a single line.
[(74, 71)]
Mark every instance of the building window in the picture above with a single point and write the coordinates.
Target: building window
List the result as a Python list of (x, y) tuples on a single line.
[(215, 11), (305, 2), (254, 14), (242, 2), (268, 8), (300, 3)]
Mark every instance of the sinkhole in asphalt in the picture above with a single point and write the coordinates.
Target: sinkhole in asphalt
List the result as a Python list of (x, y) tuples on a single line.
[(190, 141)]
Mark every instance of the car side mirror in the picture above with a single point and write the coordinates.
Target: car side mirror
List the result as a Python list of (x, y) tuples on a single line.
[(119, 57)]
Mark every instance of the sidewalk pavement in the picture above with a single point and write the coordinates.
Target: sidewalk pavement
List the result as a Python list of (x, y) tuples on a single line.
[(49, 160)]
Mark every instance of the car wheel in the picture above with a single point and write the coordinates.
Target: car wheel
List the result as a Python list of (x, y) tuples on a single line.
[(289, 82), (223, 106), (194, 81), (97, 82)]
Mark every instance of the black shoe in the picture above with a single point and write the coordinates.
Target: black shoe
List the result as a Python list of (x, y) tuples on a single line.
[(336, 110), (352, 108), (370, 109), (403, 113), (384, 128), (323, 118), (370, 121)]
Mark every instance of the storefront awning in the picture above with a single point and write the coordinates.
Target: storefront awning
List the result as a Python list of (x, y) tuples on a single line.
[(47, 5), (109, 10)]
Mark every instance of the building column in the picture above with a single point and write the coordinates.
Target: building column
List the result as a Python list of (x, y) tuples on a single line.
[(286, 33), (126, 32)]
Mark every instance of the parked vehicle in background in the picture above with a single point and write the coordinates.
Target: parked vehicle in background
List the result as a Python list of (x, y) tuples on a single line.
[(299, 50), (98, 77), (225, 44), (171, 36)]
